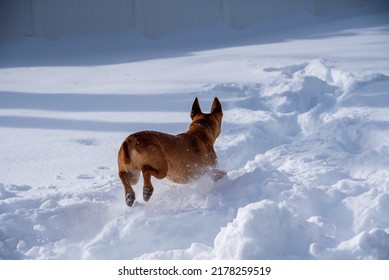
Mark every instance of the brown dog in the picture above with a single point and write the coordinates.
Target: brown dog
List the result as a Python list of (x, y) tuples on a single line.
[(181, 158)]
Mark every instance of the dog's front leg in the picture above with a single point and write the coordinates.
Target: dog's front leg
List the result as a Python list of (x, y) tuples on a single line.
[(217, 174)]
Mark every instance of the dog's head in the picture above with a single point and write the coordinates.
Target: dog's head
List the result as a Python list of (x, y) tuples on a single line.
[(211, 121)]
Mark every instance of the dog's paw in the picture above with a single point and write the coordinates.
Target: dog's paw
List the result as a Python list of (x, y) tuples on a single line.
[(218, 174), (130, 198), (147, 193)]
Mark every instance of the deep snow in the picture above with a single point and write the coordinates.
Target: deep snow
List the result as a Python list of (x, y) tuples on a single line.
[(305, 142)]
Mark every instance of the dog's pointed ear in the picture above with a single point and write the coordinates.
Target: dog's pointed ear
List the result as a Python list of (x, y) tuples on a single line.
[(195, 108), (216, 107)]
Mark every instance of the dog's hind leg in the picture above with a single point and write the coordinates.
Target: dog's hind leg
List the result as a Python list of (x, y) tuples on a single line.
[(128, 179), (148, 171), (128, 174), (148, 188)]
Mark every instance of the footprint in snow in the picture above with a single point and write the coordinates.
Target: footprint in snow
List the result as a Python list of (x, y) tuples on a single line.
[(18, 188), (87, 142), (85, 176)]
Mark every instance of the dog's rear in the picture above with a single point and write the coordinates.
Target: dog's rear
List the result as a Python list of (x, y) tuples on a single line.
[(180, 158)]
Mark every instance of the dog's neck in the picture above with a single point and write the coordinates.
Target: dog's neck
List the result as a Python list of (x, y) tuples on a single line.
[(205, 126), (197, 127)]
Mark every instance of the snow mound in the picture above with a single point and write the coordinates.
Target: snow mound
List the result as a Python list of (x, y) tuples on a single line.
[(267, 229), (373, 244)]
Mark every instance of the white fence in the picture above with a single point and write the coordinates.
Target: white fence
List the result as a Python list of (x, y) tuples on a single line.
[(153, 18)]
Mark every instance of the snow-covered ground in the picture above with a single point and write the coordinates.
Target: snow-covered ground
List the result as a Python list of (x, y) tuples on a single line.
[(305, 142)]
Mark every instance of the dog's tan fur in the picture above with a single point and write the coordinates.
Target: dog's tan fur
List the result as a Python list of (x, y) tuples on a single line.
[(181, 158)]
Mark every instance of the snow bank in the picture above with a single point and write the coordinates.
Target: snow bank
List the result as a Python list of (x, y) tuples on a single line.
[(153, 18)]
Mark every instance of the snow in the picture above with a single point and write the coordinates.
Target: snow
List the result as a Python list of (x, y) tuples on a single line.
[(304, 141)]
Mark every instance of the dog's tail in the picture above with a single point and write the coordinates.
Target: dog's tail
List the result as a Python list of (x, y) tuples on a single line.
[(124, 159), (126, 149)]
